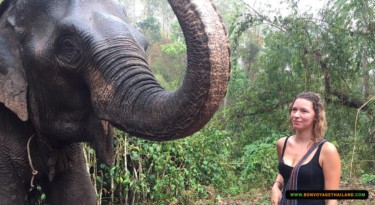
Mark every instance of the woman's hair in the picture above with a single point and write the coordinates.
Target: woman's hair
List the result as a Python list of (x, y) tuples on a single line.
[(320, 123)]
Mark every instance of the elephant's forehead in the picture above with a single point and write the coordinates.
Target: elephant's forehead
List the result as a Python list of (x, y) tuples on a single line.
[(86, 9), (56, 10), (94, 18)]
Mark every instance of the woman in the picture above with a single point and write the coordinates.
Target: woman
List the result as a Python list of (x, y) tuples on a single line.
[(321, 168)]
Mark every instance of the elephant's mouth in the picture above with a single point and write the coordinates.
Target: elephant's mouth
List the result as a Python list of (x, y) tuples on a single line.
[(104, 147), (106, 127), (99, 133)]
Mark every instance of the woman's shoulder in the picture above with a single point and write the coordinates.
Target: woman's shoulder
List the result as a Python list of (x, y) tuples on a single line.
[(279, 146), (281, 141), (329, 157), (328, 147), (329, 151)]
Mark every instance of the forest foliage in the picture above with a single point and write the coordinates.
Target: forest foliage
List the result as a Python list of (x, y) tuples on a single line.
[(274, 57)]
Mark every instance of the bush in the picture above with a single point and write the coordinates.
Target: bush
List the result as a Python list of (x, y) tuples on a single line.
[(260, 162)]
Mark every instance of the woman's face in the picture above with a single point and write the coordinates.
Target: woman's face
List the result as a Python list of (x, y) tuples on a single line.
[(302, 115)]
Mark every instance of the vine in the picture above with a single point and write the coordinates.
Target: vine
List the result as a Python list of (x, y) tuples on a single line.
[(355, 136)]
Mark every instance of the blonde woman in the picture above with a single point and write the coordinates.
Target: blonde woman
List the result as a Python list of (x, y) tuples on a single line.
[(306, 160)]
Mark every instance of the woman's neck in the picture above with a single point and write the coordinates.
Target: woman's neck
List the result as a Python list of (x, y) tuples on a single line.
[(302, 137)]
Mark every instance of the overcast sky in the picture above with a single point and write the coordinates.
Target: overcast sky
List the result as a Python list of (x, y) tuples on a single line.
[(312, 6)]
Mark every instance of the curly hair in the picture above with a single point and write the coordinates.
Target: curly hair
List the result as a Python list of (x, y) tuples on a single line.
[(320, 123)]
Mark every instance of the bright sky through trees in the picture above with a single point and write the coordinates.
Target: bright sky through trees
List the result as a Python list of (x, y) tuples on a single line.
[(270, 6)]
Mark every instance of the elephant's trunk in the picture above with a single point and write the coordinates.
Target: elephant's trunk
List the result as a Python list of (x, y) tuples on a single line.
[(138, 105)]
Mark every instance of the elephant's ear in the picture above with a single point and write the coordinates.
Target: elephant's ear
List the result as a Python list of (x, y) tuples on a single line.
[(13, 84)]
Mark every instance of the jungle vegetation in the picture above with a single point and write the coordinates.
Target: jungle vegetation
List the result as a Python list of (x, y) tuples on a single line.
[(274, 57)]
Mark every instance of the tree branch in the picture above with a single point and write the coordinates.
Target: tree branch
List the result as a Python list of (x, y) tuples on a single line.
[(262, 110), (348, 102)]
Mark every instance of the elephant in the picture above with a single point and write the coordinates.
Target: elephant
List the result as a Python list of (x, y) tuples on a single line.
[(73, 70)]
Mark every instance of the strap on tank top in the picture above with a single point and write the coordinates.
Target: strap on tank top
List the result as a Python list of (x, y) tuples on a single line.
[(282, 153), (316, 154)]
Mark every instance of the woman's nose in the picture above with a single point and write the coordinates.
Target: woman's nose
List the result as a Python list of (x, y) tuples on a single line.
[(296, 114)]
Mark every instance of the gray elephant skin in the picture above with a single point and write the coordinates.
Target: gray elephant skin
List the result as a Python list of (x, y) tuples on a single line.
[(72, 69)]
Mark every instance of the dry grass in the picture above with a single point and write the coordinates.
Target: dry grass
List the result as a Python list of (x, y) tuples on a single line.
[(262, 197)]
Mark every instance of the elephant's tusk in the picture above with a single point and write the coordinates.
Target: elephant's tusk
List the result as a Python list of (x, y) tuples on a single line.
[(34, 172)]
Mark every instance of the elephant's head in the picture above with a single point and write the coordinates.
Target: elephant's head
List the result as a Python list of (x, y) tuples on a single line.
[(75, 67)]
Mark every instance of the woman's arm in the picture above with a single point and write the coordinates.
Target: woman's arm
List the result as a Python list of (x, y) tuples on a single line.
[(279, 182), (278, 185), (276, 191), (331, 163)]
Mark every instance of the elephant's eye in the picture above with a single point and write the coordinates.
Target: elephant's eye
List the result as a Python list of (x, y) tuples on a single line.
[(68, 53), (67, 44)]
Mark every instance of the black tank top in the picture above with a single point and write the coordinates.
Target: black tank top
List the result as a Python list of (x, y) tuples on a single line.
[(310, 175)]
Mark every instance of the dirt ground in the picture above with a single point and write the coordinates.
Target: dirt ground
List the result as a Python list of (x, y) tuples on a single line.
[(262, 196)]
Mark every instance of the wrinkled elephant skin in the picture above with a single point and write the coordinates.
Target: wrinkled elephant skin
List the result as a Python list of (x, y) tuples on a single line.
[(70, 70)]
